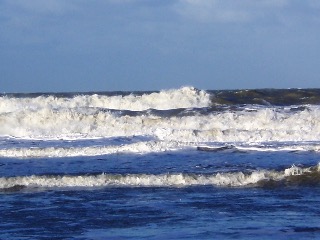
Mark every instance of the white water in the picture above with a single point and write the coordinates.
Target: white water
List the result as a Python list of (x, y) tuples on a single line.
[(262, 125), (140, 147), (185, 97), (149, 147), (237, 179), (248, 128)]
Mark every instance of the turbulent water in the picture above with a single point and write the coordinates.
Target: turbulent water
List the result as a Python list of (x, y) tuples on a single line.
[(180, 163)]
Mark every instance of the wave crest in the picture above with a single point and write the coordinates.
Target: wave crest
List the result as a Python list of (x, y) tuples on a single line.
[(291, 176), (185, 97)]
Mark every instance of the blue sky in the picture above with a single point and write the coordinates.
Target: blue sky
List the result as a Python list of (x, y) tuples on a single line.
[(108, 45)]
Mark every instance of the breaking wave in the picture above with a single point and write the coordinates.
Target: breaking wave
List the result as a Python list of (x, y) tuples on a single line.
[(175, 118), (247, 125), (185, 97), (262, 178), (147, 147), (140, 148)]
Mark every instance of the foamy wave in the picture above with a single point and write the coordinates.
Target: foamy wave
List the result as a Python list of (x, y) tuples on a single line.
[(140, 147), (237, 179), (186, 97), (260, 125), (147, 147)]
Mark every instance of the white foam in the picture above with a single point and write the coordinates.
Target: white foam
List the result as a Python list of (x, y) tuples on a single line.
[(237, 179), (185, 97), (144, 147), (88, 117), (263, 125), (140, 148), (295, 170)]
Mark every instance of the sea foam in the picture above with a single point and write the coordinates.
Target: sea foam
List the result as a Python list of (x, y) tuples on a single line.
[(183, 115), (261, 125), (185, 97), (228, 179)]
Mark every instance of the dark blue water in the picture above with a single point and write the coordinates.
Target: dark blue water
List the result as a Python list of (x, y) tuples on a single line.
[(194, 212), (154, 213)]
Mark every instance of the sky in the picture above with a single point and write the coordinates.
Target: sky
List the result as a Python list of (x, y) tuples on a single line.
[(129, 45)]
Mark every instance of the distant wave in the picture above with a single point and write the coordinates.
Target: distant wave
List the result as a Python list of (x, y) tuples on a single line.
[(275, 97), (185, 97), (261, 178)]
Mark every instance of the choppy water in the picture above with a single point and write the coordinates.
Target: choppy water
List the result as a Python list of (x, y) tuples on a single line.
[(182, 163)]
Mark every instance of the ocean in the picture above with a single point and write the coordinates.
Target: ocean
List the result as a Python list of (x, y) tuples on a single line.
[(172, 164)]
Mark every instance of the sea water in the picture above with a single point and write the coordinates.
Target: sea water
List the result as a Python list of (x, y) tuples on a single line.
[(173, 164)]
